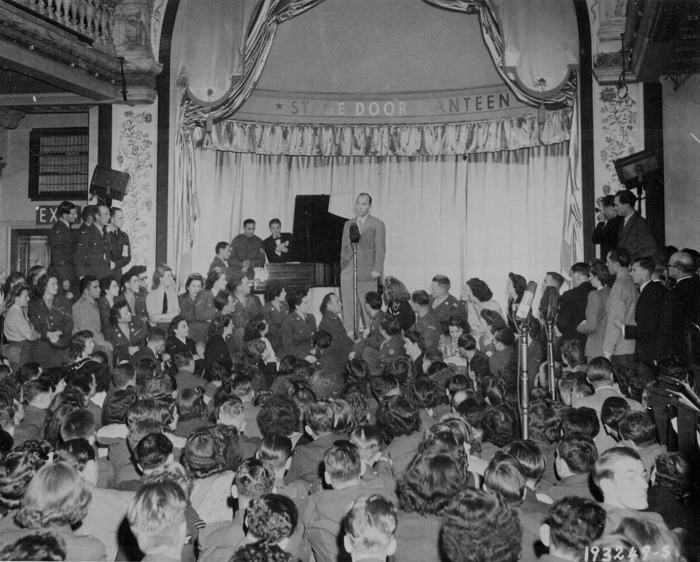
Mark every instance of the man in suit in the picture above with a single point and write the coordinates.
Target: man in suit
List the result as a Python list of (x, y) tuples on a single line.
[(332, 308), (92, 250), (572, 304), (119, 244), (681, 304), (62, 241), (277, 245), (608, 227), (246, 250), (371, 251), (635, 235), (648, 312), (621, 306), (223, 252)]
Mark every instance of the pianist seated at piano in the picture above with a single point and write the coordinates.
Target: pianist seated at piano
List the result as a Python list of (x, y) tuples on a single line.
[(299, 327)]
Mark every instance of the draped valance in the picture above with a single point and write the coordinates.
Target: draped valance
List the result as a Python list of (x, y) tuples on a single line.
[(443, 139)]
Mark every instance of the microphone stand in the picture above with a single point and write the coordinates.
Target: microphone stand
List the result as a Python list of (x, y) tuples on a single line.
[(355, 325), (549, 329), (524, 380)]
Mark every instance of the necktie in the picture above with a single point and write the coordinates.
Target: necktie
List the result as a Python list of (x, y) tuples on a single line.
[(165, 303), (360, 222)]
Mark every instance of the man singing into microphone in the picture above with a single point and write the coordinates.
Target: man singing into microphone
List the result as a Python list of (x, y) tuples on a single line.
[(371, 250)]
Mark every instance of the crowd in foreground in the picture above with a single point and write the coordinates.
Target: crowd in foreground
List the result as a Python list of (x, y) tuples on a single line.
[(147, 425)]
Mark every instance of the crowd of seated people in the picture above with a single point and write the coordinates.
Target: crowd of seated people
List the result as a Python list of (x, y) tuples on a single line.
[(209, 426)]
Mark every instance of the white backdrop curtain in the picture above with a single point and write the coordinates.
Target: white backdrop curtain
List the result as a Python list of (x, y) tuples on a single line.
[(482, 216)]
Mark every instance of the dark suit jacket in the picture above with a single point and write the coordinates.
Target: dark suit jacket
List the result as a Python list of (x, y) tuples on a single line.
[(92, 253), (269, 245), (297, 334), (332, 324), (606, 234), (646, 316), (62, 241), (636, 238), (119, 251), (681, 305), (572, 311)]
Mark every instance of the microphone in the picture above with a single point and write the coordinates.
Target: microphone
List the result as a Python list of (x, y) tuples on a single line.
[(525, 305), (552, 305), (354, 233)]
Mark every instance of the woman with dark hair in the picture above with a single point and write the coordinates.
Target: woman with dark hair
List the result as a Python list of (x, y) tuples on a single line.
[(19, 334), (16, 471), (217, 350), (274, 311), (178, 339), (52, 316), (515, 288), (191, 412), (57, 500), (425, 490), (399, 421), (212, 455), (33, 275), (477, 296), (193, 308), (456, 326), (596, 309), (126, 333), (257, 329), (299, 327), (109, 293), (397, 299), (500, 428), (495, 322)]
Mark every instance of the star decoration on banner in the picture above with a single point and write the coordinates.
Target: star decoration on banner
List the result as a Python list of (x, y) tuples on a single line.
[(279, 106)]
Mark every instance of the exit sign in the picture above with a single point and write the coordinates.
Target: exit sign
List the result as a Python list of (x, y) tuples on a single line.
[(46, 214)]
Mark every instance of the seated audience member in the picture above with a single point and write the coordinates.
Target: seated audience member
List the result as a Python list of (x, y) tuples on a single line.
[(449, 343), (599, 372), (151, 454), (442, 304), (154, 348), (427, 323), (399, 422), (369, 529), (273, 312), (658, 544), (500, 428), (425, 395), (415, 350), (372, 336), (276, 450), (610, 414), (280, 416), (162, 303), (532, 464), (86, 313), (325, 509), (573, 386), (57, 499), (477, 296), (38, 395), (329, 357), (126, 332), (671, 496), (638, 431), (581, 420), (178, 340), (572, 356), (272, 519), (425, 490), (261, 552), (622, 480), (216, 350), (504, 343), (107, 508), (570, 527), (195, 308), (368, 440), (545, 430), (40, 545), (478, 365), (306, 462), (17, 469), (81, 424), (576, 455), (230, 412), (185, 376), (480, 527), (402, 369), (391, 347), (331, 310), (157, 519), (191, 412), (397, 299), (19, 335), (299, 327)]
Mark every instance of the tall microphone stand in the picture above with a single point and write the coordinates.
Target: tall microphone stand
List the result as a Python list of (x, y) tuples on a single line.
[(524, 380), (549, 329)]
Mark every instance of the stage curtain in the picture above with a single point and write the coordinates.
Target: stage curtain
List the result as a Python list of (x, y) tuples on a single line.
[(300, 139), (461, 217)]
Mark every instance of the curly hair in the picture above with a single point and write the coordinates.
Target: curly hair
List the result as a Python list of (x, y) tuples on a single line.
[(212, 450), (429, 484), (425, 393), (161, 410), (395, 291), (479, 527), (273, 289), (396, 416), (545, 422), (56, 496), (402, 369), (480, 289), (673, 471), (41, 545), (343, 416), (116, 407), (272, 517), (190, 404), (16, 471), (575, 523), (500, 425), (254, 478), (261, 551), (280, 415)]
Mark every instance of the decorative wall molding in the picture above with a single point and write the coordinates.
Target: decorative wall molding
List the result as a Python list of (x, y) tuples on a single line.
[(10, 118)]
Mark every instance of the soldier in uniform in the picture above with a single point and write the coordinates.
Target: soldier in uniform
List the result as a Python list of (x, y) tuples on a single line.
[(427, 324), (331, 308), (92, 252), (119, 244), (246, 250), (126, 333), (392, 347), (372, 335), (62, 242), (245, 307), (442, 304)]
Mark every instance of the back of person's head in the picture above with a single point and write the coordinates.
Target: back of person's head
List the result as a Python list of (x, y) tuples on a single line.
[(37, 545), (356, 370), (612, 411), (357, 397), (159, 386), (500, 425), (145, 370), (319, 418), (391, 325), (421, 298), (396, 416), (78, 424), (190, 404), (280, 415), (229, 410), (659, 543), (545, 421), (505, 475), (276, 450), (530, 455), (367, 438), (582, 420), (673, 471), (572, 352), (261, 551), (271, 518), (254, 478), (430, 483), (343, 416), (620, 256), (203, 454), (17, 469), (505, 336), (323, 383), (156, 516), (123, 374), (342, 462), (75, 452), (33, 389), (369, 527), (480, 527), (322, 339), (599, 369), (578, 451), (116, 406), (140, 428), (28, 372), (155, 335), (639, 428), (424, 393), (373, 300), (402, 369), (383, 386), (572, 524), (153, 451)]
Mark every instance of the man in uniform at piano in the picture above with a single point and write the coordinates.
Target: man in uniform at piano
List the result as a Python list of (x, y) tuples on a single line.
[(246, 251), (277, 245)]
